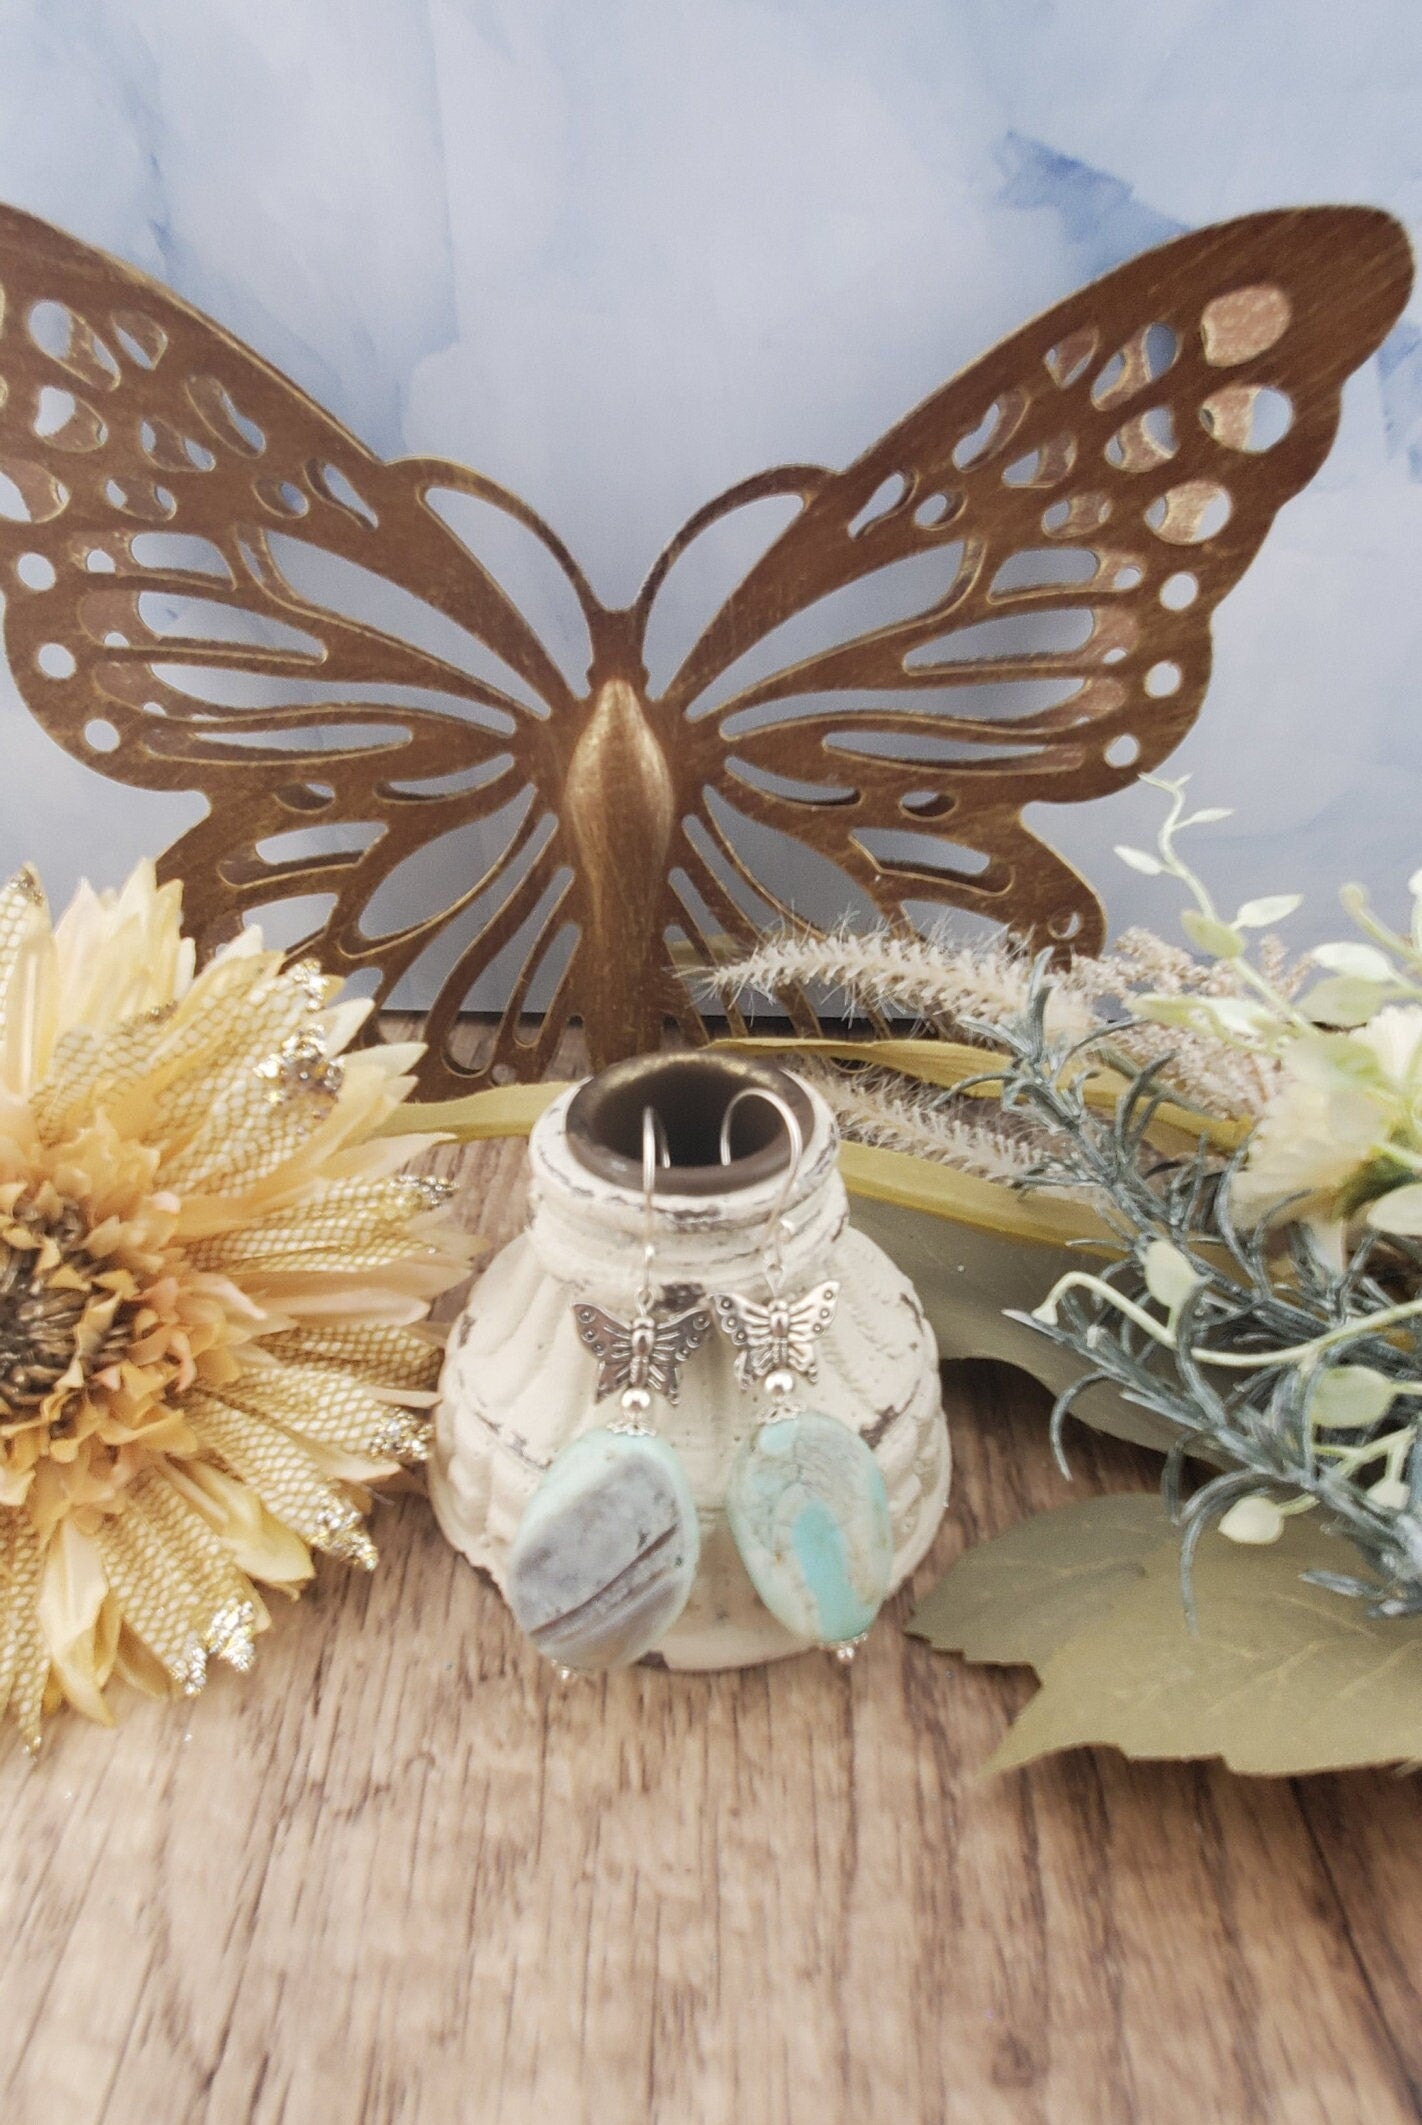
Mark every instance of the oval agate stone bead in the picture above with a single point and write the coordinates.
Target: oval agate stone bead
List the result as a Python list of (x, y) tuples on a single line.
[(810, 1514), (606, 1551)]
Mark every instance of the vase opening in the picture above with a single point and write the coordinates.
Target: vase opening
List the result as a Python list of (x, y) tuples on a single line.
[(690, 1093)]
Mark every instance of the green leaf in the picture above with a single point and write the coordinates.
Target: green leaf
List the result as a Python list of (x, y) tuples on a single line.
[(1169, 1010), (1400, 1210), (1013, 1601), (1350, 1397), (1343, 1000), (1363, 961), (1220, 939), (1139, 860), (1254, 1520), (1281, 1677), (1169, 1277), (1228, 1018), (1237, 1014), (1390, 1492), (1274, 907)]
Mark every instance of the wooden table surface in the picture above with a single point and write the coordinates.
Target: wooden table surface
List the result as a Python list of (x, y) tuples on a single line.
[(401, 1876)]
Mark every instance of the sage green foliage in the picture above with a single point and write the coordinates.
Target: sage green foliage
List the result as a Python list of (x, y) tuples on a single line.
[(1252, 1349)]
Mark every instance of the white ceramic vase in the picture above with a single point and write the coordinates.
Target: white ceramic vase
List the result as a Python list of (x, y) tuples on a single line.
[(518, 1384)]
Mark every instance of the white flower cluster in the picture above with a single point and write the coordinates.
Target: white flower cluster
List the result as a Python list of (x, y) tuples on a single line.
[(1338, 1141)]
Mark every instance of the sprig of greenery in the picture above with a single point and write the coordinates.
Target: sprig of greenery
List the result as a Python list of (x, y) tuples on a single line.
[(1359, 979), (1284, 1372)]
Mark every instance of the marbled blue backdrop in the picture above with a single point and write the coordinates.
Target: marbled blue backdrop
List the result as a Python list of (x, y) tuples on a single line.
[(620, 254)]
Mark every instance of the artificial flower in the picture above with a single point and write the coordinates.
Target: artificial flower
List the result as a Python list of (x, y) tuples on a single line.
[(212, 1279), (1330, 1133)]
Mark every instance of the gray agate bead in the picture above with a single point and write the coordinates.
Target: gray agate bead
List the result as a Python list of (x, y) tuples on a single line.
[(810, 1514), (606, 1551)]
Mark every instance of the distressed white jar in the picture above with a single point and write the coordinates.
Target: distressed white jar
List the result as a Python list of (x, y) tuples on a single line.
[(518, 1384)]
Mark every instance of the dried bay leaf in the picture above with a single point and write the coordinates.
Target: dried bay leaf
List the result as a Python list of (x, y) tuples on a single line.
[(1281, 1678), (966, 1278), (1012, 1601), (502, 1110)]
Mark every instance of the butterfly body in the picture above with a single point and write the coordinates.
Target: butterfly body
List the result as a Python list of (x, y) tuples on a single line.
[(211, 585), (620, 813)]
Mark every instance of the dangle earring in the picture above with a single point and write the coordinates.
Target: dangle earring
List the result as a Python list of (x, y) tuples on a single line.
[(608, 1546), (806, 1500)]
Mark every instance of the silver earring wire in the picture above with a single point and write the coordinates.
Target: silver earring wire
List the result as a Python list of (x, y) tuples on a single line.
[(776, 1225), (643, 1356), (655, 1152)]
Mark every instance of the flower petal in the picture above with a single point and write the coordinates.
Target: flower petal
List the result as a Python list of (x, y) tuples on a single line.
[(73, 1593)]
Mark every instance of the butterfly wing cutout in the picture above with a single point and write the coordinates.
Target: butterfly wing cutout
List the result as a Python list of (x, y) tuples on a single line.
[(1007, 600), (764, 1345), (210, 584)]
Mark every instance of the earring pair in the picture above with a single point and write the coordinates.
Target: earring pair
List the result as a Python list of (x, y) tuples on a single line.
[(606, 1553)]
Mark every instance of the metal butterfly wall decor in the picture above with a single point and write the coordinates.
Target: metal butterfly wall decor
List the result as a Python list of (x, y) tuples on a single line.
[(182, 523)]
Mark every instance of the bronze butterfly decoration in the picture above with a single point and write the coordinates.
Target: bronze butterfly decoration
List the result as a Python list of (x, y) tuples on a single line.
[(181, 521)]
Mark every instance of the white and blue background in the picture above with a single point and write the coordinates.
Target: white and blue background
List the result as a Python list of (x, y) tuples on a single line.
[(619, 254)]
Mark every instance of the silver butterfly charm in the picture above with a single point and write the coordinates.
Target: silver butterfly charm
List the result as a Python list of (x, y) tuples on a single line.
[(779, 1337), (644, 1354)]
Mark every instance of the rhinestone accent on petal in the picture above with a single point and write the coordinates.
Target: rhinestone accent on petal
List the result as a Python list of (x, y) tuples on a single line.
[(302, 1064), (231, 1635), (317, 986), (343, 1535)]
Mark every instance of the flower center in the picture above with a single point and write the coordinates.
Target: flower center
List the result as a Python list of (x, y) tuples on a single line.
[(53, 1309)]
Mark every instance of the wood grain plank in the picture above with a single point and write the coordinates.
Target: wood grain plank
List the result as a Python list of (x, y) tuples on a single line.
[(401, 1876)]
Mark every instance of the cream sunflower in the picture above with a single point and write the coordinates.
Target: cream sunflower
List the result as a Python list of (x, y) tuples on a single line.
[(212, 1279)]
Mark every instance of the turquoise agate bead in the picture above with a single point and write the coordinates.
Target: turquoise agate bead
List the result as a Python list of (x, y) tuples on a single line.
[(810, 1514), (606, 1551)]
